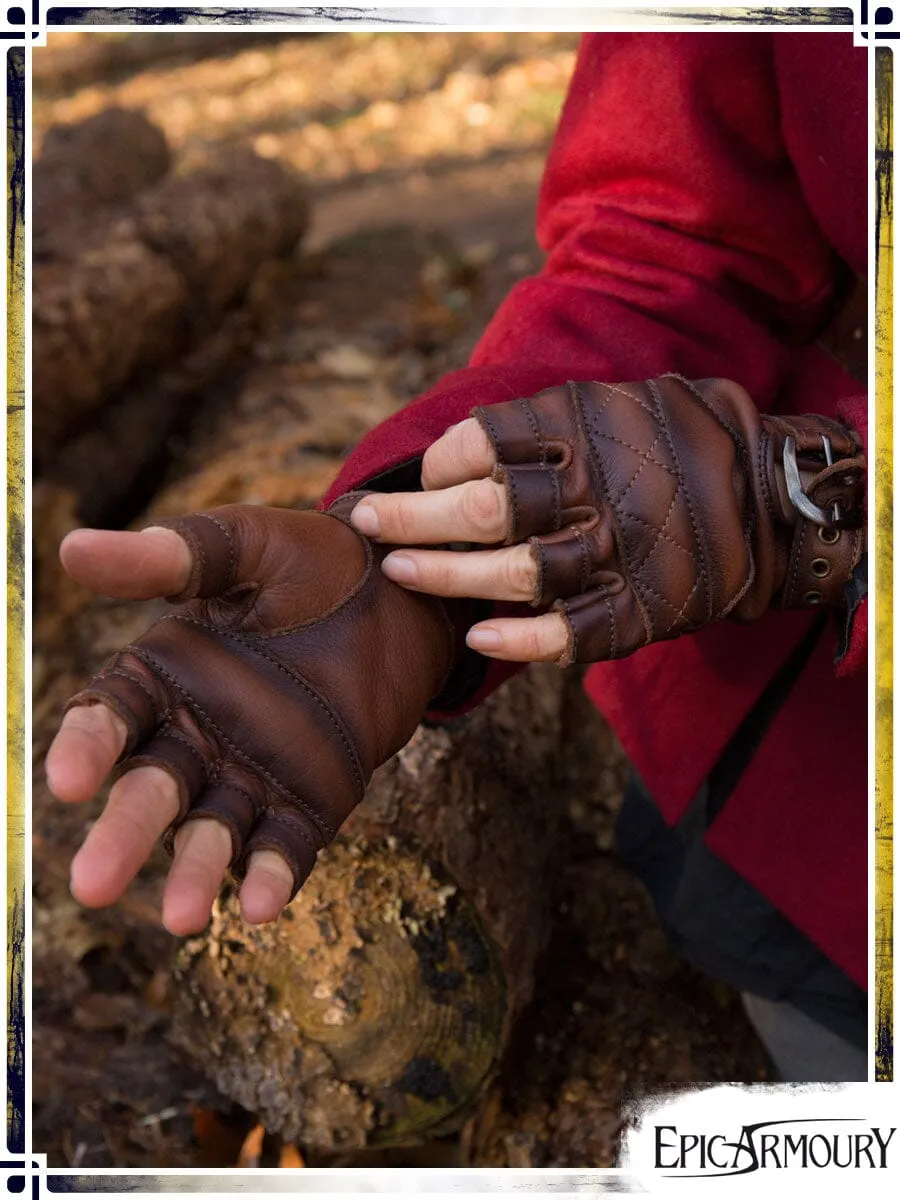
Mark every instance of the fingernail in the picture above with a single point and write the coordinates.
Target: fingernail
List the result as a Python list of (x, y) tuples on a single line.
[(365, 519), (484, 639), (400, 567)]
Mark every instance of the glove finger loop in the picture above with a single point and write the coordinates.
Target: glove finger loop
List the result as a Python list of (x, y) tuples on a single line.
[(535, 430), (173, 753), (137, 697), (212, 555), (535, 503), (512, 432), (604, 624), (566, 561), (591, 626), (287, 835), (230, 806)]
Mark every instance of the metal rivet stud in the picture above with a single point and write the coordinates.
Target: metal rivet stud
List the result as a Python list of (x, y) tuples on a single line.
[(819, 567)]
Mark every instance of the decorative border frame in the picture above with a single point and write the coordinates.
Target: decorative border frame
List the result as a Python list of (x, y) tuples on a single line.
[(876, 27)]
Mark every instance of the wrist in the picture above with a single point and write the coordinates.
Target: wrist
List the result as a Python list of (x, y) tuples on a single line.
[(816, 470)]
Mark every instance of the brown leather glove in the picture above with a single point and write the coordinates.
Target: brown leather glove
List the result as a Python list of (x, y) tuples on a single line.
[(291, 670), (654, 508)]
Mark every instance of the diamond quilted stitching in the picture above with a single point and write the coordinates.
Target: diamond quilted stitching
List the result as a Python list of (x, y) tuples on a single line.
[(648, 457)]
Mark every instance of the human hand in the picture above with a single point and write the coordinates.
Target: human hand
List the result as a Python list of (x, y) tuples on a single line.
[(640, 511), (251, 718)]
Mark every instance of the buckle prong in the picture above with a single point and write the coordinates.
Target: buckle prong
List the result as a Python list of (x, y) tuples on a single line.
[(803, 504)]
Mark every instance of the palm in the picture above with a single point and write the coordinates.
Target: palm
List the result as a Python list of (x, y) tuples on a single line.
[(144, 801)]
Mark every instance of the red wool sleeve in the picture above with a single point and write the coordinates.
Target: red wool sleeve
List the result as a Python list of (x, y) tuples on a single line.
[(677, 238)]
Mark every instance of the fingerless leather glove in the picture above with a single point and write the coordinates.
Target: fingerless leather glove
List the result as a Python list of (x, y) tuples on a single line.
[(655, 508), (291, 668)]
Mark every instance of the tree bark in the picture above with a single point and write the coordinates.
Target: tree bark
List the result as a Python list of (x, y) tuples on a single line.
[(156, 286), (86, 172), (114, 465), (378, 1007)]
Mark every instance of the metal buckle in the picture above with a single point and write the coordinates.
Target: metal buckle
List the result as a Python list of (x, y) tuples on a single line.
[(799, 498)]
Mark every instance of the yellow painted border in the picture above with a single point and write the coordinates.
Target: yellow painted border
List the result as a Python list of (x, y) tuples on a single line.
[(884, 565), (15, 598)]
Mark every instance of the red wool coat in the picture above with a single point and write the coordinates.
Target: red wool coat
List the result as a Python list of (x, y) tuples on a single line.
[(701, 195)]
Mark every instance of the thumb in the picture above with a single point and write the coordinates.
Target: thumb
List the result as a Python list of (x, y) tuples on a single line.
[(127, 565)]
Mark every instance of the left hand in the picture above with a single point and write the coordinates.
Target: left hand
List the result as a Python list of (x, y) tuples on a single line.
[(249, 719), (461, 503)]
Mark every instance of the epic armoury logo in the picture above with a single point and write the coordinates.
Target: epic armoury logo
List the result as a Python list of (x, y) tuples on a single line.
[(703, 1155)]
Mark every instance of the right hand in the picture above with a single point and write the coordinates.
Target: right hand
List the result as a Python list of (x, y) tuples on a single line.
[(635, 512), (251, 718)]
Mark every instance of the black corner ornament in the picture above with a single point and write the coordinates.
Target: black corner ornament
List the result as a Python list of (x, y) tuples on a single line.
[(876, 22), (21, 21), (20, 1180)]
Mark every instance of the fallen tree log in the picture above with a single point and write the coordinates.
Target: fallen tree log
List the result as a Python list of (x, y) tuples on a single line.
[(378, 1007), (156, 286), (86, 171), (319, 350), (114, 466)]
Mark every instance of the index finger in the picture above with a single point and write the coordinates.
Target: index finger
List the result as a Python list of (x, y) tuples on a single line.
[(461, 454), (87, 745)]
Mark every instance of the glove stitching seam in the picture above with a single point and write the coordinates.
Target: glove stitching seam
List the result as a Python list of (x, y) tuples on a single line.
[(535, 429), (638, 572), (646, 456), (248, 848), (557, 497), (585, 560), (661, 532), (638, 580), (176, 736), (613, 639), (797, 556), (702, 555), (545, 463), (611, 437), (138, 683), (481, 414), (737, 438), (283, 817), (256, 807), (574, 632), (231, 554), (514, 532), (298, 679), (762, 474), (620, 391), (588, 422), (682, 611), (192, 704)]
